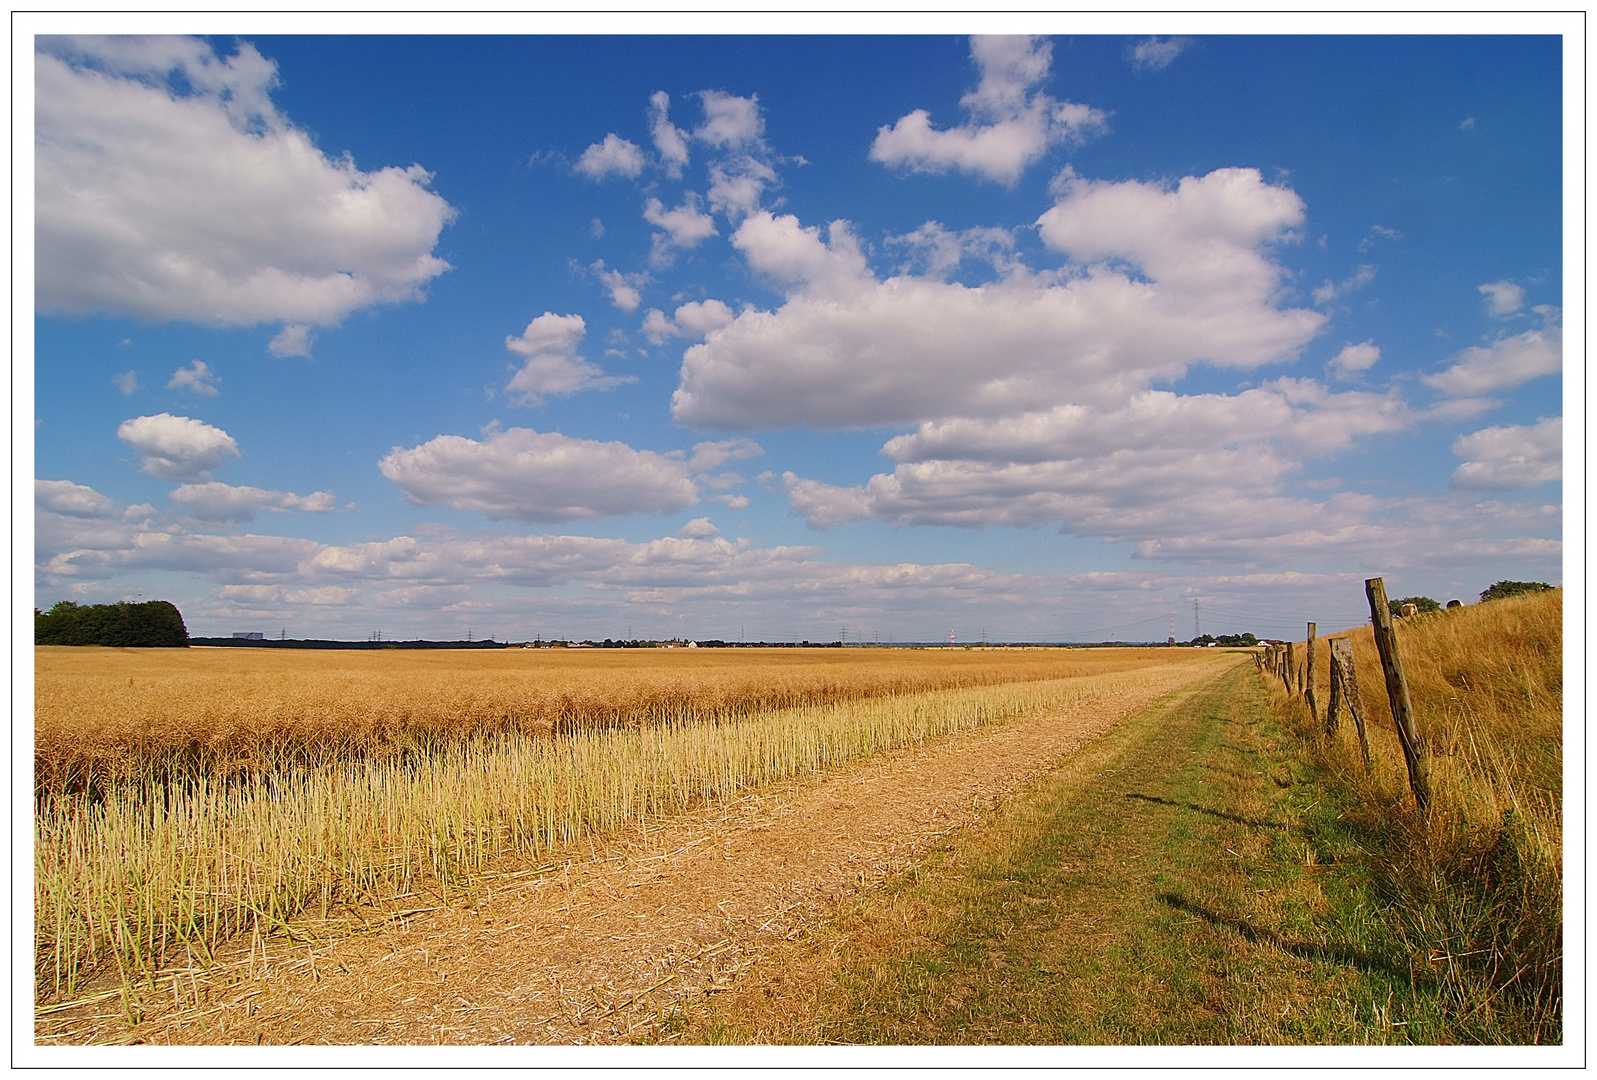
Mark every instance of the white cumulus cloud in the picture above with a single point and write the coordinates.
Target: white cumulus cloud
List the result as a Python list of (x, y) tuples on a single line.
[(168, 186), (1156, 53), (197, 378), (1009, 126), (552, 365), (623, 288), (685, 225), (527, 475), (1502, 365), (1511, 458), (1354, 360), (613, 155), (848, 349), (178, 447), (73, 500), (730, 122), (1503, 298), (669, 140), (293, 340)]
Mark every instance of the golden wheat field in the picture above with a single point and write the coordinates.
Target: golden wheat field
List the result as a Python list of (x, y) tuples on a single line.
[(188, 795), (111, 712)]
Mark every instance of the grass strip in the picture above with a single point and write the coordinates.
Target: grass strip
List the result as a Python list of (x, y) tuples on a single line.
[(1184, 880)]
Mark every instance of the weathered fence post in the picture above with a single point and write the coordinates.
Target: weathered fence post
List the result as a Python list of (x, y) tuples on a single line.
[(1308, 676), (1287, 668), (1397, 690), (1345, 689)]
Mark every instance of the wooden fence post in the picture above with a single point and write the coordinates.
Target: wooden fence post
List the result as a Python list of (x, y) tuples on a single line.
[(1286, 670), (1345, 690), (1397, 690), (1308, 677)]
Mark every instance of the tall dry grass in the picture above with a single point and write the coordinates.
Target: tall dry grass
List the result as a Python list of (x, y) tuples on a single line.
[(1479, 875), (151, 870), (103, 715)]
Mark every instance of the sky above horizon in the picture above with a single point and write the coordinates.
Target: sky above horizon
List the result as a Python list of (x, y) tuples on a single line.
[(1065, 338)]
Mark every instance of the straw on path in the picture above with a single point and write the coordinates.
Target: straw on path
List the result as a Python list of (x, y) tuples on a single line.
[(598, 949)]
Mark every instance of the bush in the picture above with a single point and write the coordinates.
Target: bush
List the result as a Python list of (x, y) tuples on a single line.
[(1503, 589), (153, 624)]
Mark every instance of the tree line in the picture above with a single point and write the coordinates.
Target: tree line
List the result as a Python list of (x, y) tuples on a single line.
[(152, 624)]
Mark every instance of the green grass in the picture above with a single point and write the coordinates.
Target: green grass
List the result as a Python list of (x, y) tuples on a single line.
[(1188, 879)]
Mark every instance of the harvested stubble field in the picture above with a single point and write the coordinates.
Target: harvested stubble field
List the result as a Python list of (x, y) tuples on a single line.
[(190, 797)]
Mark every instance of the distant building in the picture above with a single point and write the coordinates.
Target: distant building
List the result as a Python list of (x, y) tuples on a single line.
[(248, 635)]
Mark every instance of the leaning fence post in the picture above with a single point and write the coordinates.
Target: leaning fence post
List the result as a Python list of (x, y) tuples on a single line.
[(1345, 689), (1308, 677), (1287, 668), (1397, 690)]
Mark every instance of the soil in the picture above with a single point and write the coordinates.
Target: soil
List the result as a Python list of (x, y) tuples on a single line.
[(606, 946)]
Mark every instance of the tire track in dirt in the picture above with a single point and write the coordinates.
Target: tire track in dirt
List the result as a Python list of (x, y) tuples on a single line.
[(598, 949)]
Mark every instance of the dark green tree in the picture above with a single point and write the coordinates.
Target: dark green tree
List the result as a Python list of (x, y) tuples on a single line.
[(1502, 589), (153, 624)]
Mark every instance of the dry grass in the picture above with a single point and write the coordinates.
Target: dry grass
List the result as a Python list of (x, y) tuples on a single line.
[(1480, 873), (150, 869), (103, 714)]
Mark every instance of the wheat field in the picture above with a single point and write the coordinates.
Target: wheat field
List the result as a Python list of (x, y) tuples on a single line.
[(236, 789), (102, 714)]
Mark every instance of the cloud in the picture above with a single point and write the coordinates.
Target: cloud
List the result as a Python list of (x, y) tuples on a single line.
[(712, 455), (1178, 476), (277, 597), (1377, 232), (699, 529), (73, 500), (694, 319), (215, 501), (1511, 458), (1009, 127), (730, 122), (737, 183), (197, 378), (796, 258), (1503, 298), (1163, 277), (1501, 365), (669, 140), (714, 582), (936, 252), (177, 447), (623, 288), (613, 155), (685, 225), (127, 382), (1329, 291), (168, 186), (294, 340), (1156, 54), (526, 475), (1354, 360), (552, 365)]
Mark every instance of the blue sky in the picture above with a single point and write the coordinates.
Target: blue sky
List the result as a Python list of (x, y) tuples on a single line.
[(1047, 338)]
